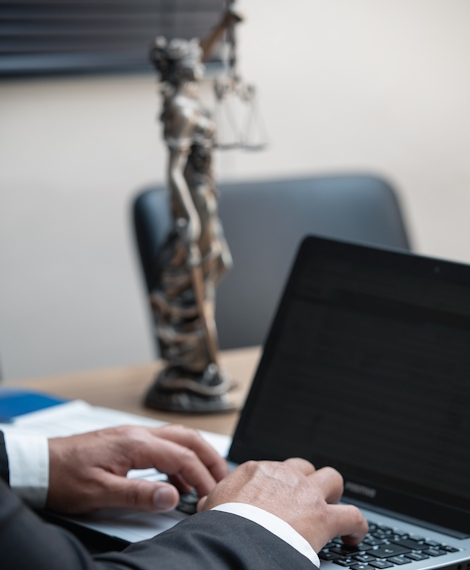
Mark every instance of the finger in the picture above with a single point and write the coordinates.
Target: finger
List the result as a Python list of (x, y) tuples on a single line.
[(140, 494), (330, 482), (348, 522), (179, 483), (201, 503), (301, 465), (193, 440), (174, 459)]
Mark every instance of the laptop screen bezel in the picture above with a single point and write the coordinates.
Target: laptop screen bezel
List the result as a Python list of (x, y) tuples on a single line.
[(390, 495)]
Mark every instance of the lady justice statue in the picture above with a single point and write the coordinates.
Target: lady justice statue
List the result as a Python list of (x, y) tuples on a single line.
[(195, 255)]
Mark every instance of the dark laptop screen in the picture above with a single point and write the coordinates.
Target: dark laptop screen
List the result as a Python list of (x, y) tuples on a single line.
[(367, 368)]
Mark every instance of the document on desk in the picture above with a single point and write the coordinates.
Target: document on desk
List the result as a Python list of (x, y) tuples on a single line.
[(78, 417)]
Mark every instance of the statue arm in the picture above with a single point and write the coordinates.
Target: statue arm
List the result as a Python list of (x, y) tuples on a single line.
[(179, 143), (208, 44)]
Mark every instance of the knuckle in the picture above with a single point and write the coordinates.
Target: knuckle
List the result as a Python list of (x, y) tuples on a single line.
[(190, 432), (356, 515), (281, 472), (124, 430), (183, 431), (188, 455), (290, 473), (133, 494), (251, 466), (336, 476), (288, 470), (132, 498), (305, 465), (176, 428)]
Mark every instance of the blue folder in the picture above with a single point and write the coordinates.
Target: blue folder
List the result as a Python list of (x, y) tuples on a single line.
[(14, 403)]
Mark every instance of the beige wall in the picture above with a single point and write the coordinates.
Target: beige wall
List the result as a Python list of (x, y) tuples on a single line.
[(364, 85)]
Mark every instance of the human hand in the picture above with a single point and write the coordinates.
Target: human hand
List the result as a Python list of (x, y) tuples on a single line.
[(294, 491), (88, 471)]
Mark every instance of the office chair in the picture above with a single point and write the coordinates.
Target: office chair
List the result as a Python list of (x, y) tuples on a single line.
[(264, 222)]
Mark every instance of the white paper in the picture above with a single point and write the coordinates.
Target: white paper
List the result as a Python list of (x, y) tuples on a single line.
[(77, 416)]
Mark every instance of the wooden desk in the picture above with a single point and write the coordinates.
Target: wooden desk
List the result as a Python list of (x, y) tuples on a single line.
[(123, 388)]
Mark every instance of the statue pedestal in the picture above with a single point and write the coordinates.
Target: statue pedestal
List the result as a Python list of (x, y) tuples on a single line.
[(179, 390)]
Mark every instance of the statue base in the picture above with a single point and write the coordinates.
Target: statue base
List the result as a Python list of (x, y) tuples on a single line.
[(182, 391)]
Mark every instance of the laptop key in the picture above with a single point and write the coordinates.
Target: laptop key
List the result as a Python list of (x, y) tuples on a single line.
[(340, 551), (388, 550), (362, 567), (379, 530), (449, 548), (350, 550), (435, 551), (345, 562), (399, 560), (374, 541), (379, 563), (408, 543), (384, 527), (382, 531), (359, 548), (328, 555), (188, 503), (364, 558), (417, 538), (417, 556)]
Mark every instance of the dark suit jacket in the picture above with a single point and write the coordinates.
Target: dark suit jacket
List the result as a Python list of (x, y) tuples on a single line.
[(210, 540)]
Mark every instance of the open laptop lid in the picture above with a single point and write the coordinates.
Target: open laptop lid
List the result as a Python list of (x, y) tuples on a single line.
[(367, 368)]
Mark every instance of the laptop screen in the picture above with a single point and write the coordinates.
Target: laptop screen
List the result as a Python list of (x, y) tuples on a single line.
[(367, 369)]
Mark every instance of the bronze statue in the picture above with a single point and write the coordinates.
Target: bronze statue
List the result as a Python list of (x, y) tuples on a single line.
[(195, 255)]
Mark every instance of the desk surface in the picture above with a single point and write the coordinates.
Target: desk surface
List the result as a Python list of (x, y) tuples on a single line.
[(123, 388)]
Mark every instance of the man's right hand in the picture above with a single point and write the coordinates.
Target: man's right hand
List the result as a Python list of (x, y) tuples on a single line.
[(88, 471), (294, 491)]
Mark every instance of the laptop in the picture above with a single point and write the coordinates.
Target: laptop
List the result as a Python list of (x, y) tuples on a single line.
[(367, 368)]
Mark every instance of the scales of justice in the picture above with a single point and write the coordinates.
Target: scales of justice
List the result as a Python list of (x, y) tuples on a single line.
[(195, 255)]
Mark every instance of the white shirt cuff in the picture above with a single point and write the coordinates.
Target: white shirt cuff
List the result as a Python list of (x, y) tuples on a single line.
[(28, 464), (273, 524)]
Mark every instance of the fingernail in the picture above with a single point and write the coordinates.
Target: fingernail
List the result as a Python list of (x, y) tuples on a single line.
[(164, 498)]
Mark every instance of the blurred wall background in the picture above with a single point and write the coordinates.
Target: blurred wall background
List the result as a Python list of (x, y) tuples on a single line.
[(343, 86)]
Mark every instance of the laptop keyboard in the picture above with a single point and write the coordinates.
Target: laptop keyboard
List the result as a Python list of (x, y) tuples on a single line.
[(188, 502), (383, 547)]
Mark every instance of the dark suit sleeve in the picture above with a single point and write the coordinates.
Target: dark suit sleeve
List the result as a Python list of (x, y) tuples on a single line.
[(211, 540), (4, 471), (217, 541)]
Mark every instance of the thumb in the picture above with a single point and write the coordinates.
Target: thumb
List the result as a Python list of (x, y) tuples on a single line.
[(165, 497), (142, 495), (201, 503)]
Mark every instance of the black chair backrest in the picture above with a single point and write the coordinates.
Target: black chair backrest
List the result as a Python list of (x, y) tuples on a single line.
[(152, 221), (264, 222)]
